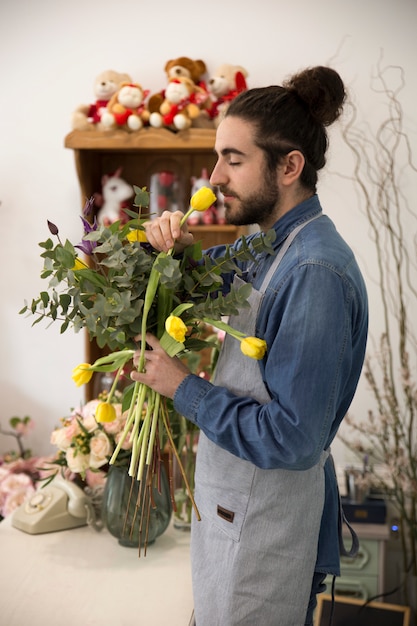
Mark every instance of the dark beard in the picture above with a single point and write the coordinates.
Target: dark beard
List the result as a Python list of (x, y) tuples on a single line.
[(257, 207)]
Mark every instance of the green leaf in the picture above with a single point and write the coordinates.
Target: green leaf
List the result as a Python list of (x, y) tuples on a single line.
[(44, 296), (64, 257), (47, 245), (64, 301), (141, 197), (127, 397), (179, 310), (91, 276), (14, 421)]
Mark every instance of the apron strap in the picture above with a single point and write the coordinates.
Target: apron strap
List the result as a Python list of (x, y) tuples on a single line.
[(288, 241), (354, 548)]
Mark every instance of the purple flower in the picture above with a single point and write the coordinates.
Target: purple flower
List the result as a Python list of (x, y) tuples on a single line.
[(87, 246), (88, 208)]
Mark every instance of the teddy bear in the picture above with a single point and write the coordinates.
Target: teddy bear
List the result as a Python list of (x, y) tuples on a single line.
[(227, 82), (126, 108), (88, 116), (181, 105), (184, 66), (181, 67)]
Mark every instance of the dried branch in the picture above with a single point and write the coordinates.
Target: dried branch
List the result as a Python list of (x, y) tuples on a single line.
[(383, 173)]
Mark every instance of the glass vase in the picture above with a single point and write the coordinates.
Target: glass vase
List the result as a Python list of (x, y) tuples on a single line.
[(135, 522)]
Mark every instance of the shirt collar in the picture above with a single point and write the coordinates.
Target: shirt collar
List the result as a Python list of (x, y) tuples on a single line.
[(299, 214)]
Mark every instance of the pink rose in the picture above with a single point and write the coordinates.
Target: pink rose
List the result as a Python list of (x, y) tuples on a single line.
[(29, 466), (15, 498), (90, 423), (76, 461), (62, 437), (100, 450), (89, 409), (14, 482), (3, 472), (112, 428)]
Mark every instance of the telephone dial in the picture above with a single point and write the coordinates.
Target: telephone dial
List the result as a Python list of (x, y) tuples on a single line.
[(59, 506)]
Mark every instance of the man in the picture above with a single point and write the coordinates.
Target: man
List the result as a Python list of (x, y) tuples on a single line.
[(265, 485)]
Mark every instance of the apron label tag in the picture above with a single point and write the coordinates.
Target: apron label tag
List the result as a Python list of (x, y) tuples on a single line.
[(229, 516)]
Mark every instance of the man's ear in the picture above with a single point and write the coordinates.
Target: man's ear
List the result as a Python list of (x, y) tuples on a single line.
[(291, 167)]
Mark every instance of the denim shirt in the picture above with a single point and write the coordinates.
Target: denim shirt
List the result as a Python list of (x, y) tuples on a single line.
[(314, 319)]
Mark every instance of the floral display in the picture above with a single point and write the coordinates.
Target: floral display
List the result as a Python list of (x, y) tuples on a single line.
[(19, 471), (85, 443), (125, 289)]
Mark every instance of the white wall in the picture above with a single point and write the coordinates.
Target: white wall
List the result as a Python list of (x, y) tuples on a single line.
[(52, 50)]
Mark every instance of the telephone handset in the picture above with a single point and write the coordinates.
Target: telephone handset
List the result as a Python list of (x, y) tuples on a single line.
[(59, 506)]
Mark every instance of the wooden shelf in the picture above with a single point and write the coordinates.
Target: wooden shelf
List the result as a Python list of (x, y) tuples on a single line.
[(216, 234), (146, 139)]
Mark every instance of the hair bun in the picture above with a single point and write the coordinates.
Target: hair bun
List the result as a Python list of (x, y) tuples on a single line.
[(322, 91)]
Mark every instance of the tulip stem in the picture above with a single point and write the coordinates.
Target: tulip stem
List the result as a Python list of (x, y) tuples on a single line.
[(180, 465)]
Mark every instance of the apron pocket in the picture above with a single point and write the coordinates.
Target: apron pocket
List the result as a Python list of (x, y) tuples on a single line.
[(223, 488)]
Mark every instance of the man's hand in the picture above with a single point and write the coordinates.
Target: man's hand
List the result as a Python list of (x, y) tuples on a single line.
[(163, 373), (165, 231)]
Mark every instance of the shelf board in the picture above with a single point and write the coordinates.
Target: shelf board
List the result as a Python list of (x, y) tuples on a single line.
[(146, 139), (213, 228)]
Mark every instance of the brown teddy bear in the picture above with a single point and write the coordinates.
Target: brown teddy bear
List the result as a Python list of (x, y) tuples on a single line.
[(185, 67), (126, 108), (88, 116), (181, 67), (227, 82), (181, 105)]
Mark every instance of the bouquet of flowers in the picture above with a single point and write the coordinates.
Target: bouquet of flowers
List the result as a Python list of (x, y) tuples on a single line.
[(124, 289), (85, 446)]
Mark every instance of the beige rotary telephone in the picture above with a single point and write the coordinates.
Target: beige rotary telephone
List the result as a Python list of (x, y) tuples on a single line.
[(59, 506)]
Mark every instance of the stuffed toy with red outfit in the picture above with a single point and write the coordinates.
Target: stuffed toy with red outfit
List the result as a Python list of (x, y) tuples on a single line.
[(88, 116), (127, 108), (181, 67), (227, 82), (181, 105)]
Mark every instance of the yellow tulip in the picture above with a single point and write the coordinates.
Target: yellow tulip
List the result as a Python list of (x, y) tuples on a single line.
[(105, 412), (136, 235), (203, 199), (176, 328), (81, 374), (253, 347), (79, 264)]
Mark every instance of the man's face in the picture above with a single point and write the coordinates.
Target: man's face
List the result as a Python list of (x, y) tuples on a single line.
[(250, 189)]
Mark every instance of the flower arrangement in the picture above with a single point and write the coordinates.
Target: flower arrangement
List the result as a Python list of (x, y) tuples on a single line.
[(19, 471), (86, 445), (125, 289)]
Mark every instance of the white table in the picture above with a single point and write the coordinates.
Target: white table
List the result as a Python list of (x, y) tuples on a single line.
[(82, 577)]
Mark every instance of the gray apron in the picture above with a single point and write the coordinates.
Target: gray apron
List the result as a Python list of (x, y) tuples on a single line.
[(253, 552)]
